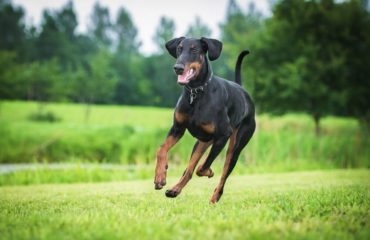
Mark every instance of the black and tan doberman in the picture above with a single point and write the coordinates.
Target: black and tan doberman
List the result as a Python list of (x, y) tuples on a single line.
[(212, 109)]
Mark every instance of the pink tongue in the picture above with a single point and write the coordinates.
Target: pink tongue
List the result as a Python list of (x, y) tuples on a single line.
[(184, 78)]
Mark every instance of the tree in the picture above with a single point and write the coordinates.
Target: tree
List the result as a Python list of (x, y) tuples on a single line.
[(102, 79), (198, 29), (164, 88), (10, 86), (67, 21), (12, 28), (100, 28), (32, 81), (127, 60), (300, 58), (355, 40), (237, 34), (57, 38), (233, 9), (96, 84), (164, 32), (43, 81), (126, 33)]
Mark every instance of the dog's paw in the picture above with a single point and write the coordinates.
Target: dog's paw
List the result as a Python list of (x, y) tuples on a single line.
[(172, 193), (215, 198), (160, 182), (207, 173), (159, 186), (216, 195)]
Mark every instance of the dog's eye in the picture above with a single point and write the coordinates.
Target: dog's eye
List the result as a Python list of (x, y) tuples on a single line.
[(179, 50)]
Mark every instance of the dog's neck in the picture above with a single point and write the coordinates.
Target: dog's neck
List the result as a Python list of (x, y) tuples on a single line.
[(204, 76), (200, 84)]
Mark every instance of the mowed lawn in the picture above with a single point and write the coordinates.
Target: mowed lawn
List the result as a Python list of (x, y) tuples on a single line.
[(331, 204)]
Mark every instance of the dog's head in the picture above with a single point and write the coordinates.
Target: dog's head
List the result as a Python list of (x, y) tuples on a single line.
[(191, 55)]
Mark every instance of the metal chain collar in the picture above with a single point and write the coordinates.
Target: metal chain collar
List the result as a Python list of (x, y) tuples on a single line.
[(195, 91)]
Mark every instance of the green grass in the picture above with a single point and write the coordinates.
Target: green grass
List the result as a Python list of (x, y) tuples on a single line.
[(130, 135), (100, 115), (77, 173), (305, 205)]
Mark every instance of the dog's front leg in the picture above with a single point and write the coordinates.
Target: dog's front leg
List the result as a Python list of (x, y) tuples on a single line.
[(198, 151), (173, 137)]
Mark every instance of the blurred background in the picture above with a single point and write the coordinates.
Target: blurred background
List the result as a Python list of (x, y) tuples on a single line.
[(87, 89)]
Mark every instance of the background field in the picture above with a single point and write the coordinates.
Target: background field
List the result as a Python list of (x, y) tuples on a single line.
[(131, 135)]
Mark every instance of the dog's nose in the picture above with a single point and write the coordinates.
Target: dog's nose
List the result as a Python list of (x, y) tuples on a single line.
[(179, 68)]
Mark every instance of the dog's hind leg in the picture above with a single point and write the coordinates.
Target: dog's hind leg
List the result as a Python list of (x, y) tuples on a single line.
[(198, 151), (238, 140), (205, 168)]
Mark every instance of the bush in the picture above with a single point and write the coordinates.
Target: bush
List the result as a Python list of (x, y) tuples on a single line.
[(47, 116)]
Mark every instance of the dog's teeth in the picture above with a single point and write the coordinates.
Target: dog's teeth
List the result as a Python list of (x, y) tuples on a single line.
[(191, 71)]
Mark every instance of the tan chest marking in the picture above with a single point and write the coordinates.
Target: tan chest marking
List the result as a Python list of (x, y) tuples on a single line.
[(208, 127), (181, 117)]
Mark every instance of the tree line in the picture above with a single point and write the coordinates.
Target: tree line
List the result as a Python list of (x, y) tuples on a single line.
[(308, 56)]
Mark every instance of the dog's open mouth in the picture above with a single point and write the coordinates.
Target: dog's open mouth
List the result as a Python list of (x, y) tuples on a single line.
[(187, 75)]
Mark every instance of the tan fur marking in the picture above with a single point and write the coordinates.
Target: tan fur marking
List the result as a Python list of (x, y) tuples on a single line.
[(196, 156), (208, 127), (196, 65), (232, 142), (162, 162), (181, 117), (162, 154), (218, 191)]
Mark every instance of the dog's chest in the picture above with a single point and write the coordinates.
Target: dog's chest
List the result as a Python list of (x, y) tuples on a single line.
[(199, 123), (204, 132)]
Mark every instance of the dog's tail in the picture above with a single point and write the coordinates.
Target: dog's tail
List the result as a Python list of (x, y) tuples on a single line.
[(238, 78)]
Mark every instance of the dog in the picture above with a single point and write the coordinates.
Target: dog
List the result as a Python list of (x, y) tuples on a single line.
[(212, 109)]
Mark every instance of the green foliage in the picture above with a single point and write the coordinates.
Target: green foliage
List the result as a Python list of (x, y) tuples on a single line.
[(157, 67), (43, 81), (300, 57), (238, 33), (356, 39), (32, 81), (126, 33), (10, 86), (102, 80), (57, 38), (164, 87), (12, 37), (198, 29), (128, 62), (101, 26), (305, 205), (164, 32), (44, 117)]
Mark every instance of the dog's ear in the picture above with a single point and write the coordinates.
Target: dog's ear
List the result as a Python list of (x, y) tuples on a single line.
[(213, 46), (171, 46)]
